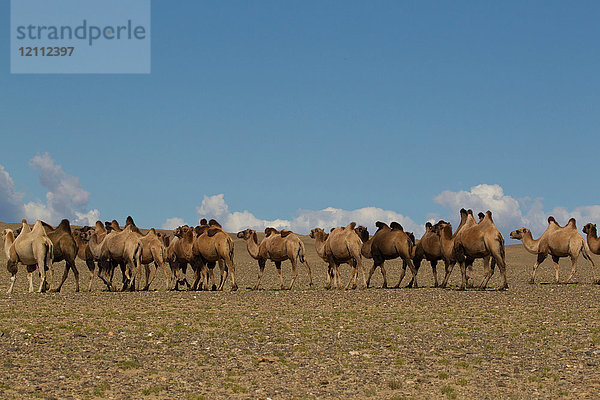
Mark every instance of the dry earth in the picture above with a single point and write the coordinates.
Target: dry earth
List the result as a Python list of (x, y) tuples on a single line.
[(532, 341)]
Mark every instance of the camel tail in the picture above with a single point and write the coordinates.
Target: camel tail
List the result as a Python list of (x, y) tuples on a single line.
[(585, 251), (301, 252), (49, 254), (501, 241)]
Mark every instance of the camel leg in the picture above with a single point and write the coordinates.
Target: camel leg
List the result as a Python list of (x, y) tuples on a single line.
[(449, 267), (294, 262), (434, 272), (63, 279), (231, 267), (338, 276), (417, 264), (13, 268), (163, 266), (414, 271), (261, 269), (91, 267), (371, 271), (502, 267), (463, 272), (540, 259), (384, 275), (362, 268), (573, 268), (555, 261), (308, 271), (489, 272), (150, 275), (402, 273), (352, 279), (329, 276), (30, 278), (197, 276), (278, 267), (42, 269)]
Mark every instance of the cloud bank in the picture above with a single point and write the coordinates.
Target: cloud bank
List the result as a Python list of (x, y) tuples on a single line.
[(65, 197)]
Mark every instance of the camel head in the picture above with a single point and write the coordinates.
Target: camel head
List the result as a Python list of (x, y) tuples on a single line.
[(7, 234), (314, 233), (362, 233), (246, 234), (213, 223), (590, 229), (181, 230), (440, 226), (428, 226), (203, 221), (519, 234)]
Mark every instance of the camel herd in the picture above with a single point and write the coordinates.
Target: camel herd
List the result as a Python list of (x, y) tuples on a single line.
[(108, 245)]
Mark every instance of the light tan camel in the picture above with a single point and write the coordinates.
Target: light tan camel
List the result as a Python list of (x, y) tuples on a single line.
[(277, 247), (391, 242), (82, 237), (65, 249), (429, 248), (32, 248), (480, 240), (341, 246), (212, 244), (119, 247), (153, 251), (557, 242)]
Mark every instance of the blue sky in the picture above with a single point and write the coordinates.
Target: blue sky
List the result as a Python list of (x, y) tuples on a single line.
[(288, 106)]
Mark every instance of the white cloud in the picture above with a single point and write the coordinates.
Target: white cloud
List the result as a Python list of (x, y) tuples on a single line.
[(65, 197), (510, 213), (172, 223), (216, 207), (11, 206)]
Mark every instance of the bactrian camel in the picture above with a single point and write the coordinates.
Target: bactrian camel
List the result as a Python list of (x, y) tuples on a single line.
[(429, 248), (277, 247), (474, 240), (556, 241), (391, 242), (212, 244), (65, 249), (341, 246), (32, 248)]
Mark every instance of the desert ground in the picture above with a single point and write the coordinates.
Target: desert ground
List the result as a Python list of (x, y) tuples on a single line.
[(532, 341)]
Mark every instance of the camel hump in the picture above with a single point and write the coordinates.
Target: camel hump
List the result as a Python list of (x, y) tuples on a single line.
[(64, 225), (270, 231), (488, 214), (99, 225), (470, 212), (214, 222), (428, 225), (463, 211), (380, 225), (332, 229), (153, 231), (285, 232), (129, 221), (351, 225), (203, 221), (480, 215), (212, 231), (396, 226), (551, 219), (572, 222), (134, 229), (200, 229)]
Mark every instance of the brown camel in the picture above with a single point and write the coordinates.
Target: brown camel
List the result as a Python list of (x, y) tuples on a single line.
[(429, 248), (480, 240), (391, 242), (558, 242), (32, 248), (277, 247), (341, 246), (122, 248), (211, 245), (82, 237), (592, 238), (447, 245), (180, 254), (153, 251), (65, 249)]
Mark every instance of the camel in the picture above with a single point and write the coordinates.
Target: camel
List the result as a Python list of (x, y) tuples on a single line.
[(592, 238), (33, 248), (212, 244), (180, 254), (477, 240), (277, 247), (558, 242), (391, 242), (342, 245), (118, 247), (84, 253), (65, 249), (153, 250), (429, 248)]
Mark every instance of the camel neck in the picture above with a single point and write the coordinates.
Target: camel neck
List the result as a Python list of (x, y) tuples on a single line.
[(252, 245), (531, 245)]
